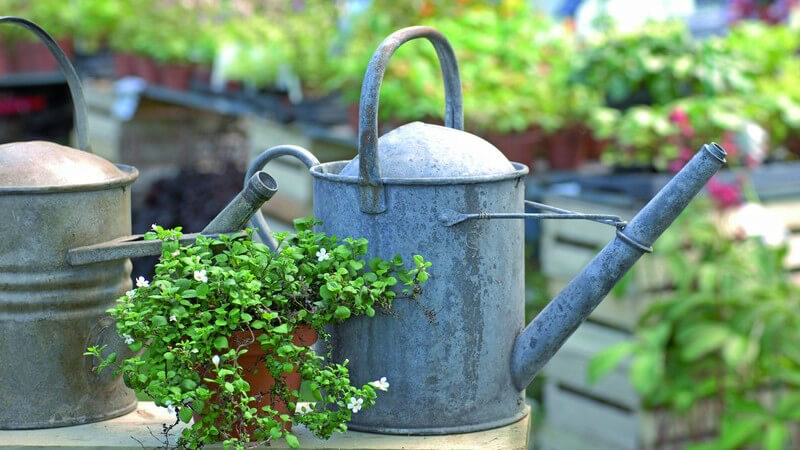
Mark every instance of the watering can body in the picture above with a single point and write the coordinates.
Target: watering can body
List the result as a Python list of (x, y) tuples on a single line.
[(446, 352), (64, 260), (459, 356)]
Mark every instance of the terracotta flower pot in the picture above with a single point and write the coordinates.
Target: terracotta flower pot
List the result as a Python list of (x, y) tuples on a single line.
[(34, 56), (146, 69), (569, 147), (201, 74), (259, 378), (6, 60), (517, 146), (175, 75), (124, 64)]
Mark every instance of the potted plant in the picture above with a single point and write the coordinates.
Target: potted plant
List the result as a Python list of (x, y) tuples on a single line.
[(658, 64), (222, 332)]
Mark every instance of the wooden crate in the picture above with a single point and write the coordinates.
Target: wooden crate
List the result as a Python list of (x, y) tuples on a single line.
[(161, 137), (608, 414)]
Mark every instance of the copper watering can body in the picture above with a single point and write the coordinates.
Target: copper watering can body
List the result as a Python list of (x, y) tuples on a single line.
[(459, 357), (65, 228)]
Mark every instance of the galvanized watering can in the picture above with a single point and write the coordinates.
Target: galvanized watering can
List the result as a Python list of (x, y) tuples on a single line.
[(65, 227), (459, 357)]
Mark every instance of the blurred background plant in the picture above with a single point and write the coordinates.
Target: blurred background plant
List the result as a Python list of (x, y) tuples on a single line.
[(726, 337)]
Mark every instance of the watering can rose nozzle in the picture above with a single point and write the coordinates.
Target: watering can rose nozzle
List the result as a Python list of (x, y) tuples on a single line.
[(540, 340)]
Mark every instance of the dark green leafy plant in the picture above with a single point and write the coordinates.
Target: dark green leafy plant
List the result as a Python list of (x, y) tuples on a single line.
[(180, 327), (728, 336)]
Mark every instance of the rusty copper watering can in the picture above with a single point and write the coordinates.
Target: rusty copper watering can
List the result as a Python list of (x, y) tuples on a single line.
[(459, 358), (65, 227)]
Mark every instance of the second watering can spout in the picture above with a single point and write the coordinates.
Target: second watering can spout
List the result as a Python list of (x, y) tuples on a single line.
[(540, 340)]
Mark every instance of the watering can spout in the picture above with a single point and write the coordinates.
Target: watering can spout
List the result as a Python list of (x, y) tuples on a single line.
[(540, 340)]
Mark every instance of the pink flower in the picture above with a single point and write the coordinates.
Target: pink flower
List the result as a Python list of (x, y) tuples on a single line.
[(724, 195), (679, 117)]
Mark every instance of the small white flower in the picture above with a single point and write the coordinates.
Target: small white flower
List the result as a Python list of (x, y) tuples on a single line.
[(170, 408), (200, 275), (215, 360), (173, 319), (131, 293), (154, 227), (355, 404), (194, 350), (176, 253), (323, 254), (142, 282), (128, 339), (381, 384)]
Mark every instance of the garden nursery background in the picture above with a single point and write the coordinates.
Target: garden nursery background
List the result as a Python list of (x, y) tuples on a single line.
[(699, 346)]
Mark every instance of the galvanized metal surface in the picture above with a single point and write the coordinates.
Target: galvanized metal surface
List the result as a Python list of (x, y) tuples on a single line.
[(547, 332), (50, 312), (372, 196), (38, 164), (258, 189), (446, 354), (54, 198), (421, 150)]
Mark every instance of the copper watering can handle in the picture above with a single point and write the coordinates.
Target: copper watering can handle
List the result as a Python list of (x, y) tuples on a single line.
[(73, 82), (306, 157), (372, 196)]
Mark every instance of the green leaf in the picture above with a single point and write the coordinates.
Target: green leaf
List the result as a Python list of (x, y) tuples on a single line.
[(282, 328), (292, 441), (159, 321), (646, 371), (342, 312), (703, 340), (776, 436), (136, 346), (188, 384), (246, 317), (606, 360), (257, 324), (220, 343), (185, 414)]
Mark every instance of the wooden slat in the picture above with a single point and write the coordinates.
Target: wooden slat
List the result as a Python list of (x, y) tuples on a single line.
[(568, 366)]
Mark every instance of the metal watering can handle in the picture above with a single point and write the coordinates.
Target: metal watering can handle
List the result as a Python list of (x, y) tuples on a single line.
[(372, 195), (75, 89), (305, 156)]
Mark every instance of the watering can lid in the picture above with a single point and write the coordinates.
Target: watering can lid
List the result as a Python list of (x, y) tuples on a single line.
[(41, 163), (421, 150)]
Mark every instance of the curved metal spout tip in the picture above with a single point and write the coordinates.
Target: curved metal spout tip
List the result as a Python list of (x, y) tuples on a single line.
[(264, 185), (716, 151)]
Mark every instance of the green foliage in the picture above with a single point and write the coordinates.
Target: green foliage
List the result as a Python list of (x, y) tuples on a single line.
[(658, 64), (728, 334), (181, 327), (514, 65)]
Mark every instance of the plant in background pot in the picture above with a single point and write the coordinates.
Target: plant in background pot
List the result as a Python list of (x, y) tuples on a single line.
[(222, 332), (658, 64), (515, 66)]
